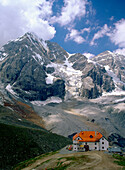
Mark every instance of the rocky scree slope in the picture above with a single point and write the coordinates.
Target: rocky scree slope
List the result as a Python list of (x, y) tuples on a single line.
[(33, 69)]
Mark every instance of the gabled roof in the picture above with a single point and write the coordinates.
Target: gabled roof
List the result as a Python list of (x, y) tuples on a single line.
[(88, 136)]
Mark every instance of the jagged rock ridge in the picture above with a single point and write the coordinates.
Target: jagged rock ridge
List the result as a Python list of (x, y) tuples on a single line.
[(34, 69), (114, 65)]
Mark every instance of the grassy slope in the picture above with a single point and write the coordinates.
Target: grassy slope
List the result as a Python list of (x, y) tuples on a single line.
[(120, 160), (21, 140), (18, 144)]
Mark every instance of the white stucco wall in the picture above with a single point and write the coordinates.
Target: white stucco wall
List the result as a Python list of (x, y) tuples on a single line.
[(92, 145), (75, 145), (104, 144)]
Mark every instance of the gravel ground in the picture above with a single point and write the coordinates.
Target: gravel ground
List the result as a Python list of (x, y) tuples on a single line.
[(95, 160)]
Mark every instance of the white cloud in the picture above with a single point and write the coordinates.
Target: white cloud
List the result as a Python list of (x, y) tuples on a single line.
[(71, 10), (101, 33), (118, 35), (75, 36), (120, 51), (22, 16), (85, 30), (112, 18), (88, 55)]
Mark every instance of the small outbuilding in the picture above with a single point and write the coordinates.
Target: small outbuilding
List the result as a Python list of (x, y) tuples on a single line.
[(115, 150)]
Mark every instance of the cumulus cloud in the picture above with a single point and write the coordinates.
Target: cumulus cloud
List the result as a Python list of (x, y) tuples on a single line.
[(75, 36), (112, 18), (118, 35), (88, 55), (85, 30), (101, 33), (36, 16), (120, 51), (22, 16), (72, 9)]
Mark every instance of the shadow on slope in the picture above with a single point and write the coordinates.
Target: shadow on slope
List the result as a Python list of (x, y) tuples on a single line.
[(19, 144)]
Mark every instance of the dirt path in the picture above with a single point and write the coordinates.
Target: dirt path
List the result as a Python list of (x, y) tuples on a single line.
[(95, 160)]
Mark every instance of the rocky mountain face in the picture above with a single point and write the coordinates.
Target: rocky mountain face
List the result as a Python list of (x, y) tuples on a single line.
[(23, 71), (114, 65), (36, 74), (33, 69)]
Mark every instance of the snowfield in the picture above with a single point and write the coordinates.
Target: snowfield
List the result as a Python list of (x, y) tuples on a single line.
[(9, 88), (71, 77), (49, 100)]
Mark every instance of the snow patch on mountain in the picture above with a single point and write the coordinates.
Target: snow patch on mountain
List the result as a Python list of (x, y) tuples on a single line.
[(67, 63), (116, 92), (49, 100), (90, 61), (104, 54), (2, 49), (113, 75), (3, 55), (49, 79), (26, 46), (9, 89), (34, 38), (2, 58), (70, 54), (44, 45), (38, 58), (119, 100), (19, 39), (71, 77)]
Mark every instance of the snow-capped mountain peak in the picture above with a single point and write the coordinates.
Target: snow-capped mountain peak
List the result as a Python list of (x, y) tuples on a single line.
[(36, 70)]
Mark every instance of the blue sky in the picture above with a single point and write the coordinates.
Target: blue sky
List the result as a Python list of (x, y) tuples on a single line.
[(84, 26), (101, 12)]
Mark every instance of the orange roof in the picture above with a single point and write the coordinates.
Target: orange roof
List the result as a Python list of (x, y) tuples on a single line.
[(88, 136)]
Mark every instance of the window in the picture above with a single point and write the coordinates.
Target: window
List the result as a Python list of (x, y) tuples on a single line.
[(102, 142), (95, 143), (102, 147), (95, 147)]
